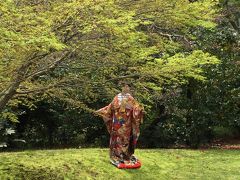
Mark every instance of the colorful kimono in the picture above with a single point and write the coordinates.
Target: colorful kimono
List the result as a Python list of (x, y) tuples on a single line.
[(122, 117)]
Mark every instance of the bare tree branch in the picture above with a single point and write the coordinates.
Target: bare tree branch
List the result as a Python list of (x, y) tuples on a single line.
[(48, 68), (171, 35)]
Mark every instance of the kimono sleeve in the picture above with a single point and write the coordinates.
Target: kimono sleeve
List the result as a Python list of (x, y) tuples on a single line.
[(137, 120), (137, 110), (106, 113), (138, 114)]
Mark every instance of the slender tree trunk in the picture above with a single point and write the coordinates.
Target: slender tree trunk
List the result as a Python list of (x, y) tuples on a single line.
[(8, 95), (21, 76)]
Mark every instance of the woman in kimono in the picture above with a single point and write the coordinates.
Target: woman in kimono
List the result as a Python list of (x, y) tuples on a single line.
[(123, 117)]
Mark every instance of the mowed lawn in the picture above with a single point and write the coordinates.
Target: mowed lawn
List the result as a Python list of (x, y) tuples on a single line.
[(94, 164)]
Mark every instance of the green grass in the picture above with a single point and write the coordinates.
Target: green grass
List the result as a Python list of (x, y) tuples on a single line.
[(94, 164)]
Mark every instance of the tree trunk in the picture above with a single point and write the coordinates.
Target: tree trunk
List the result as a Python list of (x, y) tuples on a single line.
[(8, 94), (11, 90)]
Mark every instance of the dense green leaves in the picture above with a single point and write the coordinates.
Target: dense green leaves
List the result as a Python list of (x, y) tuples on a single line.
[(72, 55)]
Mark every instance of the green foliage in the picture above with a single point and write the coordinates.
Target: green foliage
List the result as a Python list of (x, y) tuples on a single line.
[(92, 33), (65, 57), (193, 112), (9, 116)]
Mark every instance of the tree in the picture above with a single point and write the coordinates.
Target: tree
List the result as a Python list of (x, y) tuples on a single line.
[(59, 48), (200, 111)]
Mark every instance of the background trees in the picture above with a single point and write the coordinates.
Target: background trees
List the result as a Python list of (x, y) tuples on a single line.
[(62, 59)]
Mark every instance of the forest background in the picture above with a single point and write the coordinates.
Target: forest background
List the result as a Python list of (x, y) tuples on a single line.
[(62, 59)]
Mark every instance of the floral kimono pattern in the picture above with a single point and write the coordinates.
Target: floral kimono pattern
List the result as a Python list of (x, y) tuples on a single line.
[(122, 117)]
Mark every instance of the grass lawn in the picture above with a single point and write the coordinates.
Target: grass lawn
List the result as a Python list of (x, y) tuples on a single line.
[(94, 164)]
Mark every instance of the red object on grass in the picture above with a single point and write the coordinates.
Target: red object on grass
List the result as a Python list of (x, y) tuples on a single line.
[(129, 166)]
